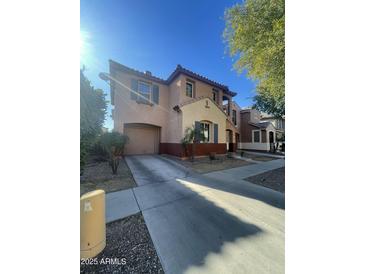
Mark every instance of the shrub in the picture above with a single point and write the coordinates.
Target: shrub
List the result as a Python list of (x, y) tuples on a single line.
[(92, 115), (113, 143), (191, 136), (98, 152)]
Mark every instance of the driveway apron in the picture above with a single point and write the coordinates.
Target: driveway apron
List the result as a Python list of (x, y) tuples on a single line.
[(202, 224)]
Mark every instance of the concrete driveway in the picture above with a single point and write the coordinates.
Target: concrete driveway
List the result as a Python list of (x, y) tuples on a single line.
[(209, 223)]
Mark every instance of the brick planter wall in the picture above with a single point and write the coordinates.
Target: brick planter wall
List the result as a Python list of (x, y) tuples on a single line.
[(176, 149)]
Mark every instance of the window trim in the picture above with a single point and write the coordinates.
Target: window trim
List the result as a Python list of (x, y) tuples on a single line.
[(215, 95), (142, 93), (192, 88), (209, 131), (253, 136)]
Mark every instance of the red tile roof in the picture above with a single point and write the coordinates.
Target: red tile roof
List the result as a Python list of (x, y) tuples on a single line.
[(179, 70)]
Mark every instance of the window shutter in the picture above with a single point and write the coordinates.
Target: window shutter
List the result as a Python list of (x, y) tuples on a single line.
[(197, 131), (156, 94), (216, 133), (134, 87)]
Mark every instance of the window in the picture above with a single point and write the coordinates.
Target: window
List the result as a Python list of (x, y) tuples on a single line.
[(256, 136), (205, 130), (144, 89), (189, 89), (234, 117), (215, 95)]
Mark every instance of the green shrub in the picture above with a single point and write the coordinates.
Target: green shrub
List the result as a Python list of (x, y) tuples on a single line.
[(92, 115), (98, 152), (113, 143)]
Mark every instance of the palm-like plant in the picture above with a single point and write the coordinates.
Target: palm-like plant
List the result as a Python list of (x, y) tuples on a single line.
[(113, 143), (192, 136)]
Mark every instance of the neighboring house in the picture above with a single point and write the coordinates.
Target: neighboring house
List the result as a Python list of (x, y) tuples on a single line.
[(255, 133), (279, 123), (155, 113)]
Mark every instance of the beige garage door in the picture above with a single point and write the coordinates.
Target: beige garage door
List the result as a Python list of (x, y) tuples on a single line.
[(143, 139)]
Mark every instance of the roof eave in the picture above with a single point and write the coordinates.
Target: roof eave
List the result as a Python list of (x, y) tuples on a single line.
[(117, 66)]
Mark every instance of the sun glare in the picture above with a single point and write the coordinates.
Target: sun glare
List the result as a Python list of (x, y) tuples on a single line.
[(87, 51), (81, 44), (84, 47)]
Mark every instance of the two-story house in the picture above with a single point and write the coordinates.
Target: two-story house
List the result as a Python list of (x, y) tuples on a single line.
[(256, 134), (154, 113), (279, 123)]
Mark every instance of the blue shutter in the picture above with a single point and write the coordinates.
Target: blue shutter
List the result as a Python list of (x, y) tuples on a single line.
[(155, 94), (134, 87), (197, 132), (216, 133)]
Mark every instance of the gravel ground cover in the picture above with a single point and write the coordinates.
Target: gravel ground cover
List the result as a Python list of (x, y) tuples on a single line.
[(274, 179), (129, 241), (98, 175), (205, 165), (260, 158)]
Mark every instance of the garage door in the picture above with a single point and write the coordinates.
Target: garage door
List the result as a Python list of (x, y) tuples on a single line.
[(143, 139)]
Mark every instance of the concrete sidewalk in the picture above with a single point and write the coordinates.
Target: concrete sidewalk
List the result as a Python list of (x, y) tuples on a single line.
[(239, 173), (120, 204)]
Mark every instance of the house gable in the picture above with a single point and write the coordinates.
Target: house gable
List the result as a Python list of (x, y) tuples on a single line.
[(204, 109)]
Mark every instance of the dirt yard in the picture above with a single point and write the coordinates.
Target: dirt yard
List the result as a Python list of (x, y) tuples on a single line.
[(99, 176), (274, 179), (205, 165)]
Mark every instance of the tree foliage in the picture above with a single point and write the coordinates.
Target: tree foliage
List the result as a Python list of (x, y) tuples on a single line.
[(113, 143), (92, 115), (255, 34)]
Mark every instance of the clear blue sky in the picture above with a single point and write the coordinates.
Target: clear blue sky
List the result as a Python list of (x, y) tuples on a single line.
[(156, 35)]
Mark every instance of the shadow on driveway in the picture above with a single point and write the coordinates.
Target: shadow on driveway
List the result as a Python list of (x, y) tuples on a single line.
[(199, 224)]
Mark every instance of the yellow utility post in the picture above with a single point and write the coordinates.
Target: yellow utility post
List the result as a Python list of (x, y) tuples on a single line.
[(92, 216)]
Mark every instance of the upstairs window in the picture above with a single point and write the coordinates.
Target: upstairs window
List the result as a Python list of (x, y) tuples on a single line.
[(144, 89), (234, 117), (144, 92), (215, 95), (189, 89)]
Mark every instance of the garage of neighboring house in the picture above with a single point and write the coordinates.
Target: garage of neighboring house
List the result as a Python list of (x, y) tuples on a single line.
[(143, 139)]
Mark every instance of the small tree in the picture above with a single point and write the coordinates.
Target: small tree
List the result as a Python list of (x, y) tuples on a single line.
[(192, 135), (113, 143), (255, 35)]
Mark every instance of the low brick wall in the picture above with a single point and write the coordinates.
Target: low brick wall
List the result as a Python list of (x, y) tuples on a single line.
[(176, 149)]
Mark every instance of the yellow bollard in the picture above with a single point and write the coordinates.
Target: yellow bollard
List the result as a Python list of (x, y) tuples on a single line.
[(92, 217)]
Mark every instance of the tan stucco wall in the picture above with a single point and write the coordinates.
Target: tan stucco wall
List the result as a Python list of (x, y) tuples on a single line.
[(174, 122), (237, 109), (230, 126), (129, 111), (201, 89), (198, 111)]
